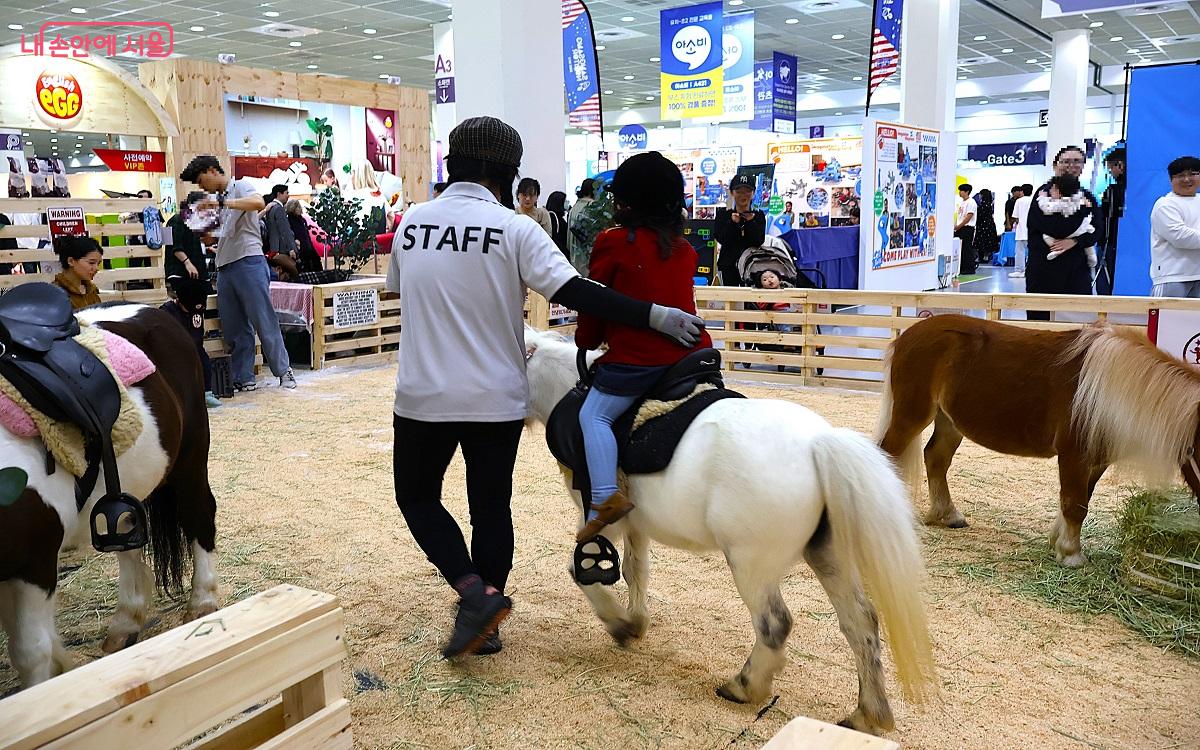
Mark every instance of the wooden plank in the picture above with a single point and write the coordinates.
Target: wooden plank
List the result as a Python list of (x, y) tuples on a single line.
[(1086, 303), (95, 230), (73, 700), (103, 278), (898, 299), (344, 345), (43, 256), (860, 342), (311, 695), (861, 321), (89, 205), (365, 359), (328, 729), (250, 730), (803, 733), (751, 294), (317, 359), (758, 337), (754, 316), (213, 694)]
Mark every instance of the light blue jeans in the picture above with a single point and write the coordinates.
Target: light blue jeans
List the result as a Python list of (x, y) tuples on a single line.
[(596, 419), (1022, 253), (244, 302)]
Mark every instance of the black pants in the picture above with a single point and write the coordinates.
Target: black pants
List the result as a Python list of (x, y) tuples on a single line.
[(729, 274), (968, 262), (420, 456)]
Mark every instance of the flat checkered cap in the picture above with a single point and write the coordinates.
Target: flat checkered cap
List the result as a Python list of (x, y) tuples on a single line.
[(486, 139)]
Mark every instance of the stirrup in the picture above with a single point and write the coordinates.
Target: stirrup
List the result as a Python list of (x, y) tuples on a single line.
[(118, 523), (603, 565)]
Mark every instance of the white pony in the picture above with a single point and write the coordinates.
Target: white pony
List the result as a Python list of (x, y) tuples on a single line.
[(834, 501)]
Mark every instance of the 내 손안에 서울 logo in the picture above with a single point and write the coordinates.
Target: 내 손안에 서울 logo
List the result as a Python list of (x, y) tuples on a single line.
[(150, 39), (59, 99)]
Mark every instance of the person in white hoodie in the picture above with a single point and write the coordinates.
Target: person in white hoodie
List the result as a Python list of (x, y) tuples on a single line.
[(1175, 233)]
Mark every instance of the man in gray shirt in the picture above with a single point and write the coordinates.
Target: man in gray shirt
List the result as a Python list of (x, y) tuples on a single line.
[(243, 279)]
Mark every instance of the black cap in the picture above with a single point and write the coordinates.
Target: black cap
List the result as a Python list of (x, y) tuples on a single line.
[(486, 139), (740, 181)]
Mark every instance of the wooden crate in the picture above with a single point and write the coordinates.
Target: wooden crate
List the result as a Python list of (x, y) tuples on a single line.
[(374, 341), (803, 733), (270, 663)]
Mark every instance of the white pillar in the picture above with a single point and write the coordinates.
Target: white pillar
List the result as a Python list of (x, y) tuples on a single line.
[(509, 65), (1068, 90), (929, 63), (444, 110)]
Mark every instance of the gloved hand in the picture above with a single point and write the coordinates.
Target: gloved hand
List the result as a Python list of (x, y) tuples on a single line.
[(681, 327)]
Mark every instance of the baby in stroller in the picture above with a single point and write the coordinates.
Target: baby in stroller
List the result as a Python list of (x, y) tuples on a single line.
[(772, 266)]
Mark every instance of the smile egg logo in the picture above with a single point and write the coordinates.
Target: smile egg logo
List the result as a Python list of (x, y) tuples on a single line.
[(691, 46), (59, 99)]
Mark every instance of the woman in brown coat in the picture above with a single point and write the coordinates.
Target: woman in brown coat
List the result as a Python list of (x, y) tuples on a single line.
[(81, 258)]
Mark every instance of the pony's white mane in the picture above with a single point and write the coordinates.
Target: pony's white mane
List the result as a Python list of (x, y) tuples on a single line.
[(550, 369), (1135, 405)]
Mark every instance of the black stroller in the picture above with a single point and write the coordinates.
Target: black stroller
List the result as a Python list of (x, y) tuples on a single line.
[(775, 255)]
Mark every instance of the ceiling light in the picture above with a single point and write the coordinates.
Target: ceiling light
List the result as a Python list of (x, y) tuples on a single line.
[(656, 59), (857, 78), (271, 14), (369, 31), (792, 20), (196, 29), (54, 140), (450, 17), (1132, 51), (1031, 61), (649, 98), (79, 137), (1096, 24), (838, 37), (962, 78), (624, 109), (659, 127), (983, 101), (25, 134), (608, 91), (79, 11), (1006, 50), (1117, 39), (15, 27), (628, 78), (600, 48), (838, 113), (376, 57), (736, 2), (311, 67), (981, 37), (627, 19), (822, 70), (385, 75), (293, 44)]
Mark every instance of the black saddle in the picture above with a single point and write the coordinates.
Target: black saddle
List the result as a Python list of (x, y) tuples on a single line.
[(66, 382)]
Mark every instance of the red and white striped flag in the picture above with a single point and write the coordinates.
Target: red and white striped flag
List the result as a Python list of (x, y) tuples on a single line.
[(885, 43), (581, 68)]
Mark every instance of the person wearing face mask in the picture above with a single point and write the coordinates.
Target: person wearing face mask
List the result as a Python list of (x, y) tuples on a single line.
[(737, 229), (1067, 272)]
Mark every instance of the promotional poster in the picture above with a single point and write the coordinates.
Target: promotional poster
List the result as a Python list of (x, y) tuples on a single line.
[(905, 200), (692, 83), (738, 65)]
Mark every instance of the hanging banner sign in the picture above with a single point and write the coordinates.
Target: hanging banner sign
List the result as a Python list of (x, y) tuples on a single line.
[(764, 73), (443, 67), (1008, 154), (692, 83), (581, 75), (65, 221), (132, 161), (632, 138), (737, 48), (1056, 8), (783, 98)]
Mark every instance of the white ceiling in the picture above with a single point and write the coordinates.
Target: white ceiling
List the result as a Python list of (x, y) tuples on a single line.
[(337, 39)]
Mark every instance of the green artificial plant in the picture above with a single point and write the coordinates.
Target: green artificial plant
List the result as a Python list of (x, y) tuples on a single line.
[(344, 229), (323, 133)]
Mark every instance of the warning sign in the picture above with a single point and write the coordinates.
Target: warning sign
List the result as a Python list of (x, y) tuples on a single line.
[(66, 221), (355, 308)]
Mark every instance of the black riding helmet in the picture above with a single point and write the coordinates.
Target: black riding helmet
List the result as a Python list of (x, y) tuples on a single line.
[(650, 184)]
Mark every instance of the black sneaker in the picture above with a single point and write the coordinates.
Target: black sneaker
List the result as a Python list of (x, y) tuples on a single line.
[(478, 617), (491, 645)]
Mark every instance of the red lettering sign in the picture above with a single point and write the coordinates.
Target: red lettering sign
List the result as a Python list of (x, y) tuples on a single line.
[(132, 161)]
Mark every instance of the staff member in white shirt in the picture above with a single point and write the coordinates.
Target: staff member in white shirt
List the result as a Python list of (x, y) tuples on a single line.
[(1175, 233), (964, 228), (1020, 217), (462, 264)]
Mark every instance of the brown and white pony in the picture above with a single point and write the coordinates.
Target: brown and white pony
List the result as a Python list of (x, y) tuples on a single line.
[(167, 467), (1094, 397)]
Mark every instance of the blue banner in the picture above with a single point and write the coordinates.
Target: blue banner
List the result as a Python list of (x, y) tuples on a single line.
[(692, 82), (783, 98), (632, 138), (1009, 154), (738, 63), (579, 62), (764, 72)]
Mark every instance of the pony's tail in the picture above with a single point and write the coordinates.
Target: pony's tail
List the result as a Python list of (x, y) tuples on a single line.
[(170, 548), (873, 526), (910, 462)]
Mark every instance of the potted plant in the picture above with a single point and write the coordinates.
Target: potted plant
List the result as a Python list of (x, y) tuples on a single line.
[(342, 228), (322, 147)]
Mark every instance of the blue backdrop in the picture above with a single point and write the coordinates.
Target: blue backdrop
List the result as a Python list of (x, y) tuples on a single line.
[(1161, 128)]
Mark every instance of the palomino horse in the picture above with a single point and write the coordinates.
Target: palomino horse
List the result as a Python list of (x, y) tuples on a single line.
[(801, 489), (167, 466), (1094, 397)]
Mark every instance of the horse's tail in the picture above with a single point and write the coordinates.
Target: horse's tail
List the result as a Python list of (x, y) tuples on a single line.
[(167, 540), (909, 462), (872, 524)]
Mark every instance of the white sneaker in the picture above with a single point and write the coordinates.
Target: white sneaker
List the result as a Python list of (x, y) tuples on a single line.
[(1017, 275), (247, 386), (287, 380)]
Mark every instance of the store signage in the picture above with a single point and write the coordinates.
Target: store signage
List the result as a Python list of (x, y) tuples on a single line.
[(132, 161), (905, 159), (444, 88), (632, 137), (708, 166), (737, 56), (602, 161), (12, 142), (783, 98), (692, 82), (66, 221), (84, 37), (1056, 8), (443, 77), (763, 92), (59, 98), (816, 131), (581, 75), (355, 308), (381, 138), (1008, 154)]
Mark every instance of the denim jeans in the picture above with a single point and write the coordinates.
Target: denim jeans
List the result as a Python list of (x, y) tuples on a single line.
[(1022, 254), (244, 302), (596, 419)]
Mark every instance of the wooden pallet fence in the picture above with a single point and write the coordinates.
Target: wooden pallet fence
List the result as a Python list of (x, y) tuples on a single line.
[(262, 673), (355, 322), (803, 733)]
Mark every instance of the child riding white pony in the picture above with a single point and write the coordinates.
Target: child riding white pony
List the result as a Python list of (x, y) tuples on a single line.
[(836, 502)]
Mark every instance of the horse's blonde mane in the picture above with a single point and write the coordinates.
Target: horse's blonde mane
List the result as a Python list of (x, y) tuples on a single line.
[(1135, 405)]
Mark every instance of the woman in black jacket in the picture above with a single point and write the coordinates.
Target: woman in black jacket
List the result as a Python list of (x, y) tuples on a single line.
[(307, 258), (1068, 273), (737, 229)]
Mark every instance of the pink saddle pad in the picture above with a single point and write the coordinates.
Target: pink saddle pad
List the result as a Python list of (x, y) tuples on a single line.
[(131, 364)]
